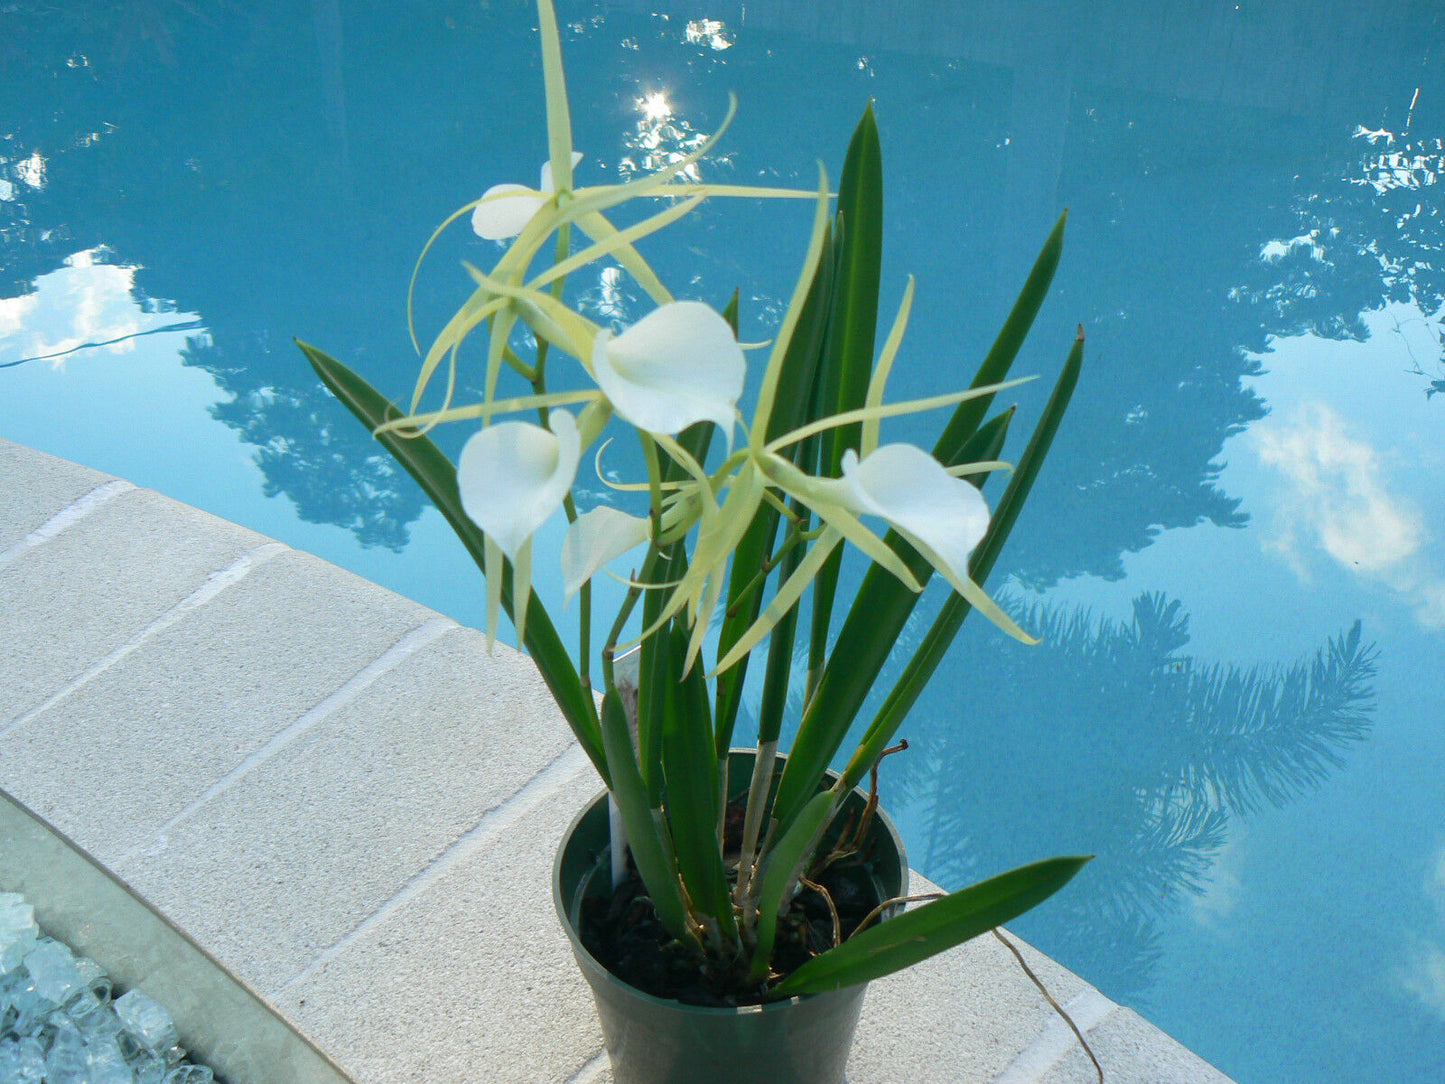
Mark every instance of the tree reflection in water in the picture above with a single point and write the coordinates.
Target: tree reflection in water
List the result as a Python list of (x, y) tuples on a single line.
[(1363, 234), (1105, 737)]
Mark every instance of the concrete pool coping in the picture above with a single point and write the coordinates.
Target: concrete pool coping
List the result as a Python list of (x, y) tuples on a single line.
[(341, 795)]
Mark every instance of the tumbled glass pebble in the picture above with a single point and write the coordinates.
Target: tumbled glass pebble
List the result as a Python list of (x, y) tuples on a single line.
[(189, 1074), (58, 1024), (52, 966), (18, 931), (146, 1020)]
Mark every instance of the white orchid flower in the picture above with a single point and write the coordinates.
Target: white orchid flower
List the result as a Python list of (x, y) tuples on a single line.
[(678, 365), (942, 516), (514, 475), (505, 209), (595, 538)]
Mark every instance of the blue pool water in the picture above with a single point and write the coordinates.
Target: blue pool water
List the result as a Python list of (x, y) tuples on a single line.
[(1234, 550)]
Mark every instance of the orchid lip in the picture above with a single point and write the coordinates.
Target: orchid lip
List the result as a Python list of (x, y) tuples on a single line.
[(678, 365), (505, 209), (514, 475)]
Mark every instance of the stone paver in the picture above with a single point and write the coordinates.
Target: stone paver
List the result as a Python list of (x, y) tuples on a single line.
[(296, 853), (1129, 1048), (478, 957), (964, 1015), (35, 486), (354, 806), (113, 761), (69, 602)]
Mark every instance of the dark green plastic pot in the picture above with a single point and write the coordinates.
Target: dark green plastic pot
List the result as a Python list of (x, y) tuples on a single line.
[(652, 1040)]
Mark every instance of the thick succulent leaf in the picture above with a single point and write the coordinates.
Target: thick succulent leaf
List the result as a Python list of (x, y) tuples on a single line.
[(933, 928), (849, 358), (883, 604), (791, 409), (1000, 357)]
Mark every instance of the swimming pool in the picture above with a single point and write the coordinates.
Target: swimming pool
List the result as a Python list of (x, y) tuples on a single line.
[(1252, 466)]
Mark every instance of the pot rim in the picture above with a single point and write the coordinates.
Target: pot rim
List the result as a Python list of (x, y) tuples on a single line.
[(585, 956)]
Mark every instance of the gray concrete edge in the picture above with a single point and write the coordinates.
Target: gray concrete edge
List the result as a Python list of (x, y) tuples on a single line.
[(366, 826)]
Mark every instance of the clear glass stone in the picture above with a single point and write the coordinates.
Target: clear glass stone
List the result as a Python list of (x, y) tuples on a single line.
[(22, 1061), (147, 1020), (66, 1061), (18, 931), (52, 966), (148, 1068), (189, 1074), (108, 1064)]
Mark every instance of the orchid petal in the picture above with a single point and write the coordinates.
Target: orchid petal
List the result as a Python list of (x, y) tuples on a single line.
[(513, 475), (504, 211), (595, 538), (916, 495), (678, 365)]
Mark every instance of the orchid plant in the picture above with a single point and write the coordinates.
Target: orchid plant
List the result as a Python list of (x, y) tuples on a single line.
[(736, 537)]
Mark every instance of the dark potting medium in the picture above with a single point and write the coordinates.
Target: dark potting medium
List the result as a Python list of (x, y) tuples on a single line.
[(654, 1040)]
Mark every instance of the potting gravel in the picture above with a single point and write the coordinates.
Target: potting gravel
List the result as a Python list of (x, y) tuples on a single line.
[(60, 1025)]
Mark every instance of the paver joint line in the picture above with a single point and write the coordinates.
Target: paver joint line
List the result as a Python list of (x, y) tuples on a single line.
[(592, 1071), (409, 644), (66, 517), (554, 777), (1088, 1010), (1050, 1046), (214, 585)]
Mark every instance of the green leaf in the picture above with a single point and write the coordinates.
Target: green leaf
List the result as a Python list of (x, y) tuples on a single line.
[(630, 793), (849, 358), (869, 633), (882, 604), (425, 462), (780, 866), (654, 675), (955, 608), (693, 799), (791, 409), (933, 928), (1005, 348)]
